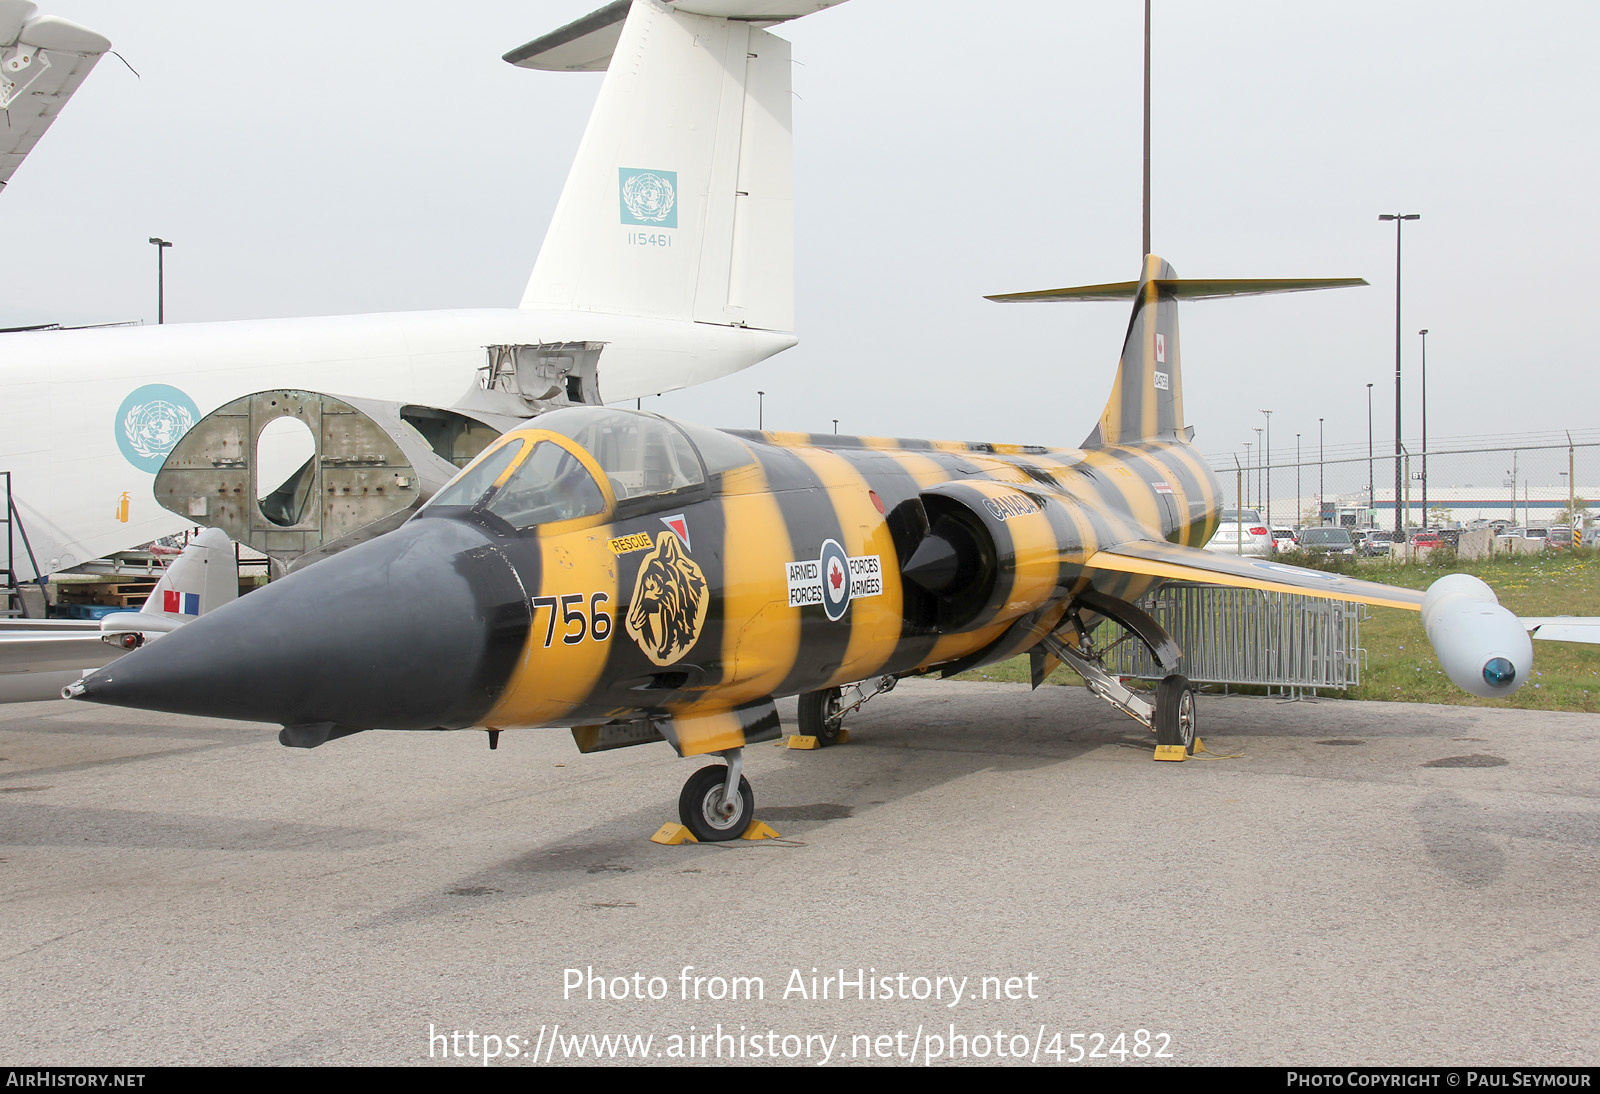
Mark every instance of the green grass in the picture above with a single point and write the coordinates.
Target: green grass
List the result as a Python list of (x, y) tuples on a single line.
[(1401, 665)]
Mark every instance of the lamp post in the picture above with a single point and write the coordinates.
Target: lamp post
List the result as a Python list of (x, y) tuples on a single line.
[(1268, 451), (761, 407), (1260, 453), (1320, 509), (1145, 242), (1249, 478), (836, 427), (1424, 333), (161, 246), (1372, 499), (1295, 519), (1399, 219)]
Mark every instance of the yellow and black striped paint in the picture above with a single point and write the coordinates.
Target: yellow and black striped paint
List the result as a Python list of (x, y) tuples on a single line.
[(1045, 511)]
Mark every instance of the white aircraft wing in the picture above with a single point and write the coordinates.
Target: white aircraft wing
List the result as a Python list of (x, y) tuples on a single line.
[(1564, 628), (43, 60)]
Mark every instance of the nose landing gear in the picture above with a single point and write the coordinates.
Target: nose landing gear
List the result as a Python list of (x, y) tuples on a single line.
[(717, 803)]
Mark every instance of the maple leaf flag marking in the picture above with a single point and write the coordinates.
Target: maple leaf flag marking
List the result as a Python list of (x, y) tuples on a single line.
[(833, 579)]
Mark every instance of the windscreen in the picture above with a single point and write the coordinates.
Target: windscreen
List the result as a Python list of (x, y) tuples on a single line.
[(469, 488), (549, 484)]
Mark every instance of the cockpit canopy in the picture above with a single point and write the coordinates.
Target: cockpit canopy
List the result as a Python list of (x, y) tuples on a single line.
[(640, 453), (527, 481)]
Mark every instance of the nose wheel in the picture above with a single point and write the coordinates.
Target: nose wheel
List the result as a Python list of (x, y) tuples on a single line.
[(709, 812)]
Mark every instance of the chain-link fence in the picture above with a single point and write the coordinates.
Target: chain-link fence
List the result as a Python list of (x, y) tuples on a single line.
[(1529, 485)]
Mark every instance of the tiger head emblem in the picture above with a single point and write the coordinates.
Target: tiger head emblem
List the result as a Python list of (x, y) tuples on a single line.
[(669, 602)]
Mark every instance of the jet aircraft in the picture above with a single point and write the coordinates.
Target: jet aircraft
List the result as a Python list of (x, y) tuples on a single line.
[(640, 579), (668, 262)]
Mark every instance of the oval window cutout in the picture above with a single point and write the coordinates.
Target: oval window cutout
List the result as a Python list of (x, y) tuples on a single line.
[(285, 455)]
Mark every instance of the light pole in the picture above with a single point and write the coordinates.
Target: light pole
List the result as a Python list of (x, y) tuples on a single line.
[(161, 246), (1295, 520), (1268, 451), (1399, 219), (1145, 243), (1424, 333), (1260, 453), (1249, 477), (761, 407), (836, 427), (1372, 499), (1320, 510)]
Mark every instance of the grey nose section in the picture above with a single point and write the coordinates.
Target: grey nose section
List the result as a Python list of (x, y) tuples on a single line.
[(417, 629)]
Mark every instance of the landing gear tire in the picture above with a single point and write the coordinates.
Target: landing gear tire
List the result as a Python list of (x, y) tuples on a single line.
[(700, 806), (1175, 720), (820, 717)]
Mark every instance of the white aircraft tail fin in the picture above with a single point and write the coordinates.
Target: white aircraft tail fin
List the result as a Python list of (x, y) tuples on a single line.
[(679, 204), (200, 580)]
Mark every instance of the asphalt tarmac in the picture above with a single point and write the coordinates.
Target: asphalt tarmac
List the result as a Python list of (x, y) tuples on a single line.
[(1332, 883)]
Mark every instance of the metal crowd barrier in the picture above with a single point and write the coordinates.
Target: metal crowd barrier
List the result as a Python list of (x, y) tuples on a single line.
[(1242, 636)]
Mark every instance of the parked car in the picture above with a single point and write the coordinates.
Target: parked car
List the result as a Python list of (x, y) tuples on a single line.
[(1241, 532), (1426, 539), (1375, 544), (1591, 536), (1328, 541), (1560, 536), (1283, 539)]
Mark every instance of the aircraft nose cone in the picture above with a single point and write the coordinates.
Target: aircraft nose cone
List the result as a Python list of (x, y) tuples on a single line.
[(417, 629)]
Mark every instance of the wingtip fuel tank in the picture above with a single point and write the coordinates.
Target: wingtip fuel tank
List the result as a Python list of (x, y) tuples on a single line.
[(1483, 648)]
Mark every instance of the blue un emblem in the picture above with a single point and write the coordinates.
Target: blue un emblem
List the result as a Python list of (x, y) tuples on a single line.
[(649, 198)]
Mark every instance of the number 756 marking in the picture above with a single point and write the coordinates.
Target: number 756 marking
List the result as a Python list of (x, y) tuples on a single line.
[(595, 624)]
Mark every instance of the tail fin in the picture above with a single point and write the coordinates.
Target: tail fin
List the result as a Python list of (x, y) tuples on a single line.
[(200, 580), (679, 204), (1147, 396)]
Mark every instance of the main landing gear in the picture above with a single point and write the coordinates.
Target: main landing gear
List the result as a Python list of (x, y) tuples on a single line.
[(822, 713), (1174, 721), (822, 716), (1172, 716)]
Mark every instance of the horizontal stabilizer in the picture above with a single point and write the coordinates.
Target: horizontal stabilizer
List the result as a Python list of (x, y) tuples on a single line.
[(586, 45), (43, 60), (1168, 560), (1182, 289)]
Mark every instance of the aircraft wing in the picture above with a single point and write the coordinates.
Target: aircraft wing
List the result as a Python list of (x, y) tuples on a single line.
[(1169, 560), (43, 60), (1564, 628)]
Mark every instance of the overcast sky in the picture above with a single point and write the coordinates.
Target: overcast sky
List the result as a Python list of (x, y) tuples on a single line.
[(374, 157)]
